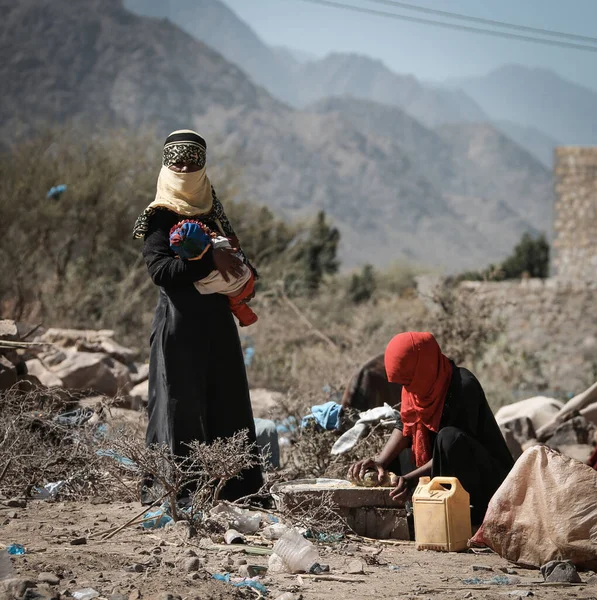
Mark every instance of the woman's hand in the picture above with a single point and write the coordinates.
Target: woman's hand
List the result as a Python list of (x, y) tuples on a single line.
[(358, 470), (401, 493), (227, 263)]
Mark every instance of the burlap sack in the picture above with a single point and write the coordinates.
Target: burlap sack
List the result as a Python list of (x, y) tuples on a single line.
[(545, 510)]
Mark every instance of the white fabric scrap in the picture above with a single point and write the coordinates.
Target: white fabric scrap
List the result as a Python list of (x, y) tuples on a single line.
[(384, 415)]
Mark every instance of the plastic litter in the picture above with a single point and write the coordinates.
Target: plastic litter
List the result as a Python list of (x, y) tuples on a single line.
[(86, 594), (298, 554), (16, 550), (275, 531), (251, 583), (249, 354), (48, 491), (497, 580), (74, 418), (56, 191), (234, 537), (157, 519), (125, 462), (243, 520)]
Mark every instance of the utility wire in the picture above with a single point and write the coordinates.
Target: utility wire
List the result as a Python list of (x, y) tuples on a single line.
[(456, 26), (463, 17)]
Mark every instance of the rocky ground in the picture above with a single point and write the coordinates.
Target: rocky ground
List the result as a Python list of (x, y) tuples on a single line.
[(161, 564)]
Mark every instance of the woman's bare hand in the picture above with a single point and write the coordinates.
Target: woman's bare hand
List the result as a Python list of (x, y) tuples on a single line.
[(358, 470), (401, 493), (227, 263)]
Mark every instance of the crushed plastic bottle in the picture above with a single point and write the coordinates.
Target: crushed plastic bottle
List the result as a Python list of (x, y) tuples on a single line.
[(244, 521), (298, 554), (16, 550), (86, 594)]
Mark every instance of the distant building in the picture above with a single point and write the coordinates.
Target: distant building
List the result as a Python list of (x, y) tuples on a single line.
[(575, 214)]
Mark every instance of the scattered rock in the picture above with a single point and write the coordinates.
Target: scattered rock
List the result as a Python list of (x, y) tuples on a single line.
[(9, 330), (134, 594), (136, 568), (52, 358), (167, 596), (577, 430), (15, 587), (288, 596), (8, 373), (50, 578), (250, 571), (139, 372), (16, 503), (93, 370), (13, 514), (468, 595), (191, 565), (36, 368), (557, 571), (239, 562), (517, 432), (81, 541), (508, 571), (190, 552), (117, 597), (355, 567), (482, 568), (140, 393)]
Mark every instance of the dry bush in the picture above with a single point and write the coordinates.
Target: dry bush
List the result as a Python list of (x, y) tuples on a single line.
[(36, 450), (318, 514), (77, 263), (202, 473)]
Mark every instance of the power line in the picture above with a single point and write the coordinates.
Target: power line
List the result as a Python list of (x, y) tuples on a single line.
[(463, 17), (456, 26)]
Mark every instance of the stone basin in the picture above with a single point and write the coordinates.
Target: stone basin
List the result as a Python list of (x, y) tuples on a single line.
[(369, 511)]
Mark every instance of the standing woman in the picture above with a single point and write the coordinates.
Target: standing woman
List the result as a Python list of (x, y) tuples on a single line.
[(198, 386)]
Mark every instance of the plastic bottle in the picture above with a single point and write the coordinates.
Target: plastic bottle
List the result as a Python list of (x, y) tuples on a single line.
[(299, 555)]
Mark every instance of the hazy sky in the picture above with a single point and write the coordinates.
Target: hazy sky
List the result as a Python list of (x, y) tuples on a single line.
[(426, 51)]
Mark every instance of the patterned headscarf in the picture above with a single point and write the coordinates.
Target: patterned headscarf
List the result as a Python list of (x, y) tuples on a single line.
[(185, 146)]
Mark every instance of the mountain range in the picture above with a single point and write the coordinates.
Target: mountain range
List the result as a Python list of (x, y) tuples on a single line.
[(448, 195)]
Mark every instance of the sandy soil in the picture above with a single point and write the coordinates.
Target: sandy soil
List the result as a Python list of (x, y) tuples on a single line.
[(152, 564)]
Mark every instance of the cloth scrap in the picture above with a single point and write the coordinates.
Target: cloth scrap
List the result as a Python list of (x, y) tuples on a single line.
[(326, 415), (384, 415)]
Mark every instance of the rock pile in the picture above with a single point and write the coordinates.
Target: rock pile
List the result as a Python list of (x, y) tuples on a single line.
[(73, 359)]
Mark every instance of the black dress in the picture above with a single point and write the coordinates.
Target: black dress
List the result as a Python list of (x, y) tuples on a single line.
[(469, 444), (198, 386)]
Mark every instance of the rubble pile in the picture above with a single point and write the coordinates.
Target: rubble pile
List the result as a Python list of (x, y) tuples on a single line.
[(72, 359)]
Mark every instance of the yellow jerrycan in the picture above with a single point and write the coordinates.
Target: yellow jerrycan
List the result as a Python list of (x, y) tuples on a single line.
[(442, 515)]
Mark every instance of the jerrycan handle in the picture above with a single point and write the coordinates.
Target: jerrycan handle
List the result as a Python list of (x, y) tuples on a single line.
[(438, 482)]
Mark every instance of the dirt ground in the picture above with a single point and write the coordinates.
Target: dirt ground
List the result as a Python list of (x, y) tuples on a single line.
[(138, 564)]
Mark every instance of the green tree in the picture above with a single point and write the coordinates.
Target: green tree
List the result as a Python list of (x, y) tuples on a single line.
[(530, 256), (316, 256), (362, 285)]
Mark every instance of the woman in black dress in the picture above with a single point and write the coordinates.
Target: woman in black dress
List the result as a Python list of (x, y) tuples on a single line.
[(446, 421), (198, 386)]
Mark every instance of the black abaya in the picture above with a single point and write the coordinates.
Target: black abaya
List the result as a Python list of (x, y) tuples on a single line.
[(469, 444), (198, 386)]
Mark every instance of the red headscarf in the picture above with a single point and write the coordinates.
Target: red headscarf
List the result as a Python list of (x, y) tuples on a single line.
[(416, 361)]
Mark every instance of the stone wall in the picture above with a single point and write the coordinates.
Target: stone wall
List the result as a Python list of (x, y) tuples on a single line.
[(575, 218), (549, 343)]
